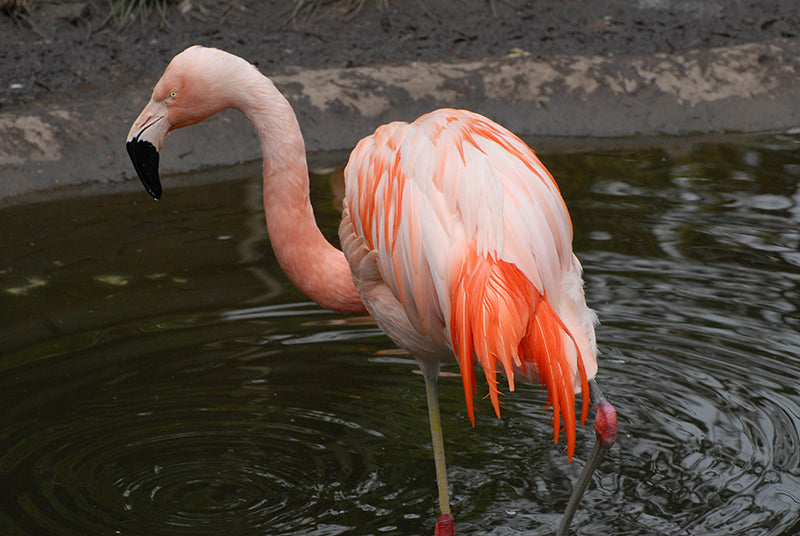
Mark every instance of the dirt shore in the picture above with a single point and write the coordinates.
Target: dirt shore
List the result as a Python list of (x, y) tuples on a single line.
[(72, 79)]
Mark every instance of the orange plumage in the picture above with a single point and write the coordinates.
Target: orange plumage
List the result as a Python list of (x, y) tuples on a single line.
[(499, 317), (471, 241)]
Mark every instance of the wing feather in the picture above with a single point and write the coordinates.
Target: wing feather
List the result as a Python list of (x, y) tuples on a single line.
[(473, 240)]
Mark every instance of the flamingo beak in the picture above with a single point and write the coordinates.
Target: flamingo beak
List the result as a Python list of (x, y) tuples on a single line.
[(144, 141)]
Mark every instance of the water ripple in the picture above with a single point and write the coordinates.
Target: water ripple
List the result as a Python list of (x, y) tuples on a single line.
[(211, 398), (144, 450)]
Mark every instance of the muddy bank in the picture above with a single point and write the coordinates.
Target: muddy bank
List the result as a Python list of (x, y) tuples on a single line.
[(544, 69)]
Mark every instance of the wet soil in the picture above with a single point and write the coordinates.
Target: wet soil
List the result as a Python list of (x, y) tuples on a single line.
[(54, 51)]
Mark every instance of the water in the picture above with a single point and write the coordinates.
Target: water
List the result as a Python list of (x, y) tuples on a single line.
[(159, 375)]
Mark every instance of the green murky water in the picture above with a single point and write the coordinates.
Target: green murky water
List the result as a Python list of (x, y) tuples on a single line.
[(160, 376)]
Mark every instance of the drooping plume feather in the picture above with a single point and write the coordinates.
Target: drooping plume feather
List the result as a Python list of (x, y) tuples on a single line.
[(499, 317)]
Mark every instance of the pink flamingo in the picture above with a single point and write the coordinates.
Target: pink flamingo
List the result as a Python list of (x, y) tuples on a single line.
[(455, 239)]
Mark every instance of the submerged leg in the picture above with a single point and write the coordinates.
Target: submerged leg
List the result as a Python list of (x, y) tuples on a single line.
[(445, 525), (605, 428)]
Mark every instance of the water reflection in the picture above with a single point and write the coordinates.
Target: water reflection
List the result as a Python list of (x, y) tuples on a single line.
[(159, 375)]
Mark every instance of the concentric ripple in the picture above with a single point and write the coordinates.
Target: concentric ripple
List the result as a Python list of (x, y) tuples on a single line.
[(217, 445), (698, 297), (711, 421)]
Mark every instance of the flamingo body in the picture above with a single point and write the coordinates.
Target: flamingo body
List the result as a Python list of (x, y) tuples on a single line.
[(460, 243), (455, 239)]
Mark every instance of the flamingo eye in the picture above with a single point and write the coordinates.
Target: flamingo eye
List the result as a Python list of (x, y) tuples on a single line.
[(173, 93)]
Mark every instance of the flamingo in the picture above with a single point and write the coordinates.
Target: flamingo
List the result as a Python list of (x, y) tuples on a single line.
[(454, 237)]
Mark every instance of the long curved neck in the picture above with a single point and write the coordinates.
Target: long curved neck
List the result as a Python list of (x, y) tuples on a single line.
[(316, 267)]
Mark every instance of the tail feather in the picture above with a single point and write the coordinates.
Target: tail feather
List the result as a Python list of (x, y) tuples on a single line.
[(499, 318)]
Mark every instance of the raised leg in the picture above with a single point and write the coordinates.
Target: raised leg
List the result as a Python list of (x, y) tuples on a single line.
[(445, 525), (605, 428)]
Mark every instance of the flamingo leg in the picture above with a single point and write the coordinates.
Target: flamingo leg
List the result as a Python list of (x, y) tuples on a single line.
[(605, 427), (445, 525)]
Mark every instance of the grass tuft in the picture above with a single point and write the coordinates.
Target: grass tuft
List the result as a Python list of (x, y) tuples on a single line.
[(124, 12), (121, 12), (16, 9), (306, 9)]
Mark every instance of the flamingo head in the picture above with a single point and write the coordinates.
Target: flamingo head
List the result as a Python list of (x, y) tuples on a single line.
[(197, 83)]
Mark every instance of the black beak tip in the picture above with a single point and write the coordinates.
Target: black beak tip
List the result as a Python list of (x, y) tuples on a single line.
[(144, 156)]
